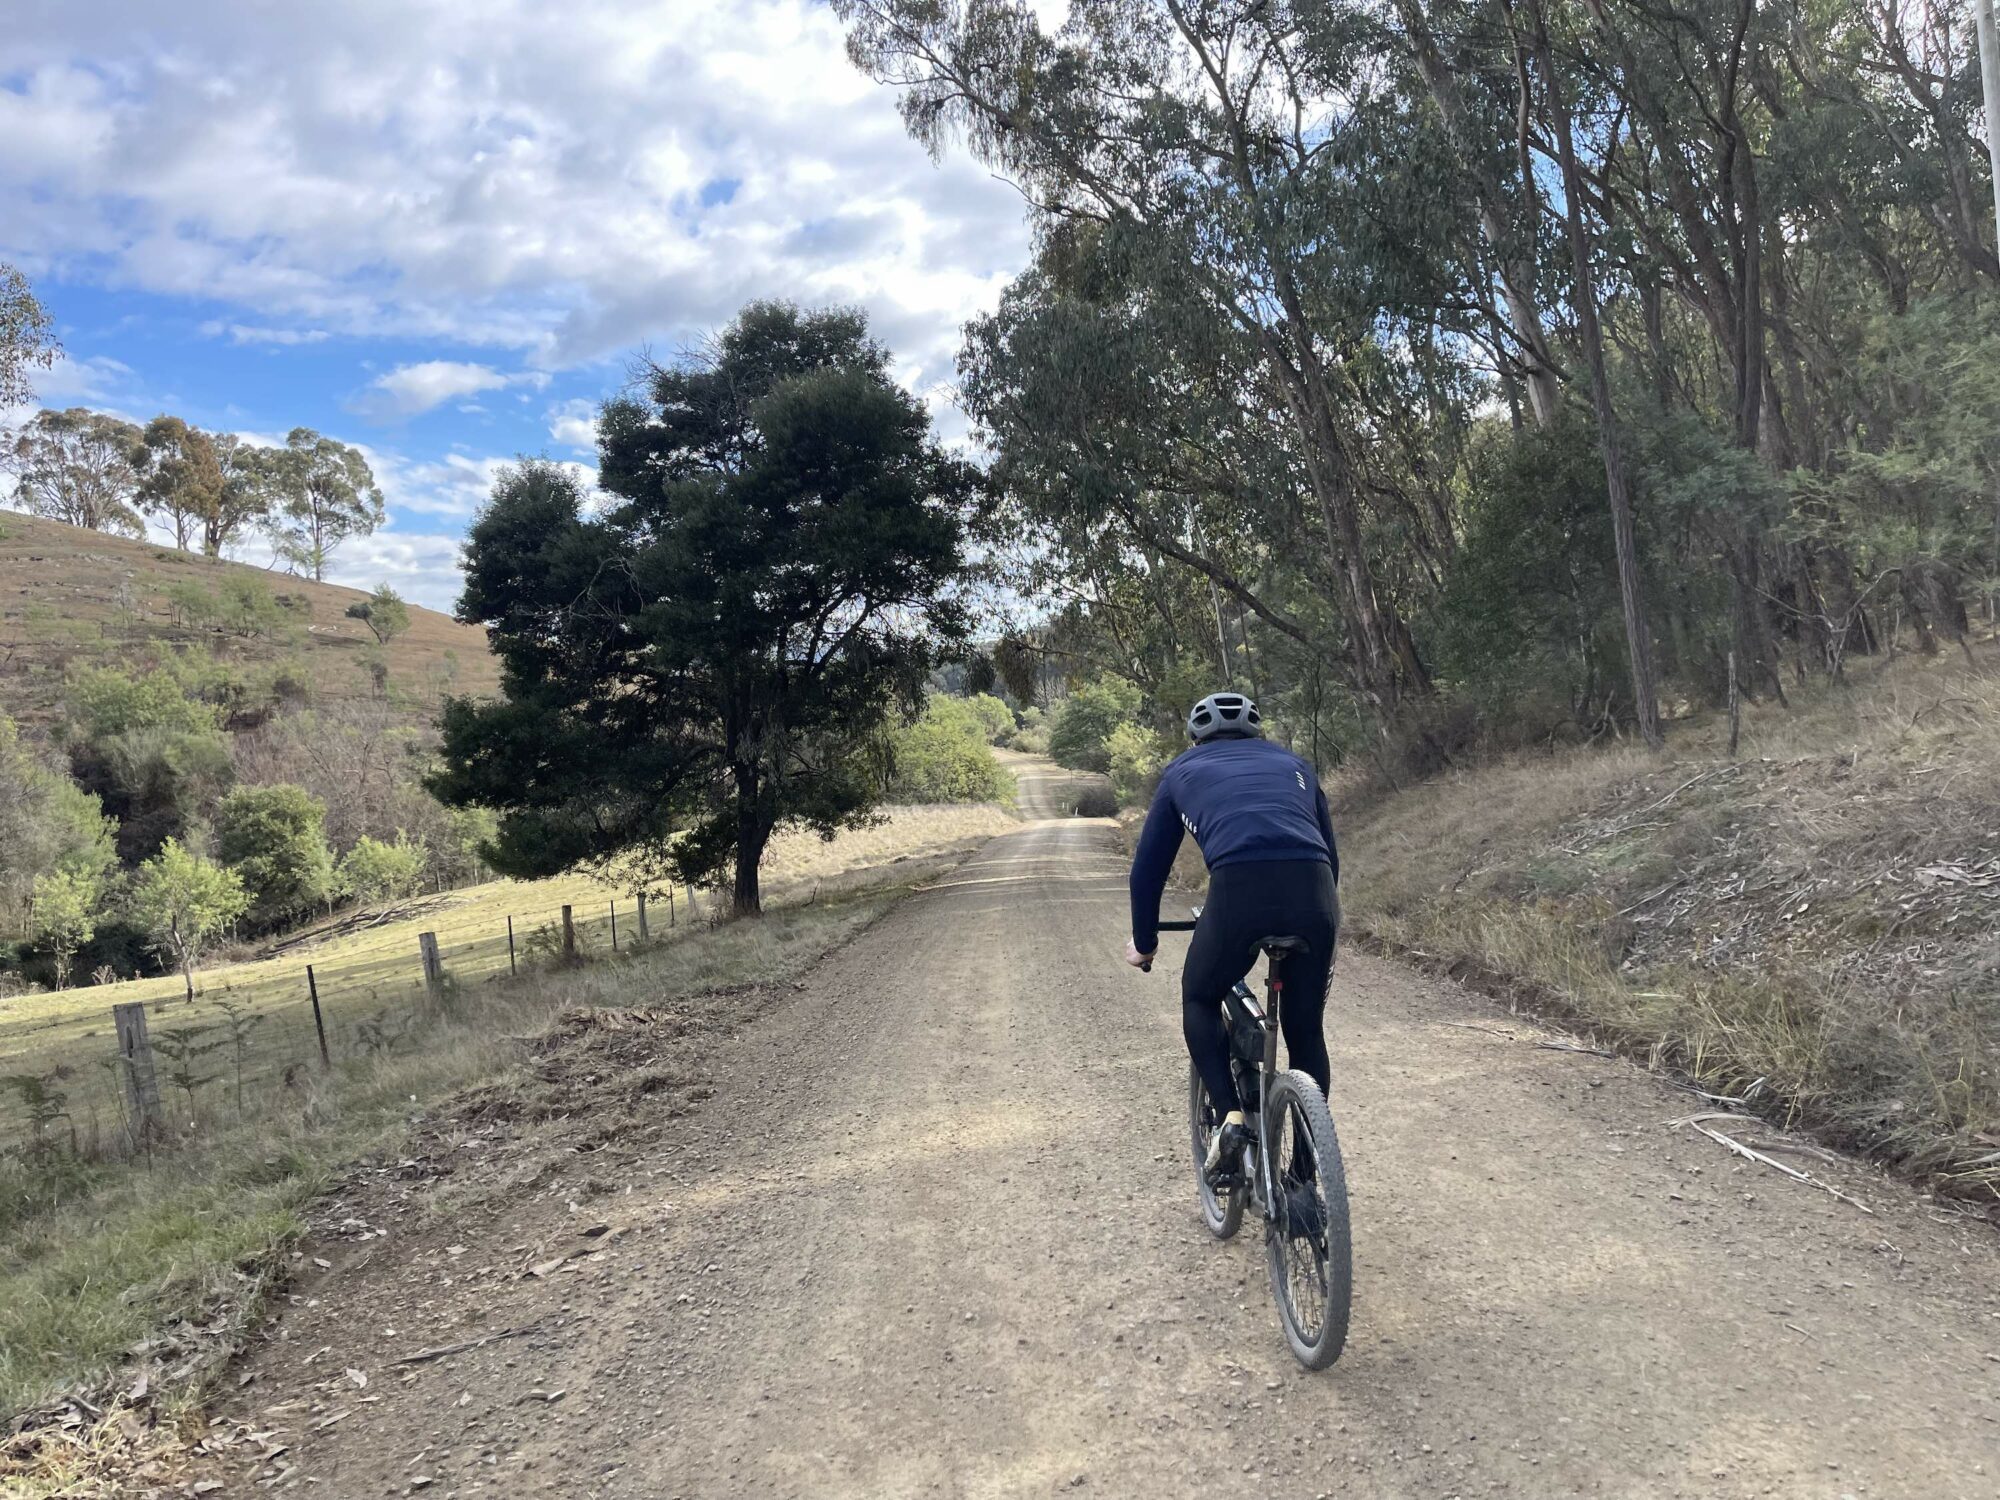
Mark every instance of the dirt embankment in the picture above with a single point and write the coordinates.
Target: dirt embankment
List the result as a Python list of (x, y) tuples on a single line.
[(925, 1225), (1811, 928)]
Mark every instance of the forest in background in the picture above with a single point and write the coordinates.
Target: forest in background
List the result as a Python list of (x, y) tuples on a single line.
[(1477, 374)]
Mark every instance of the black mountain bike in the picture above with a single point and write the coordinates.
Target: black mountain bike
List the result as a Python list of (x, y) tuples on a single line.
[(1290, 1173)]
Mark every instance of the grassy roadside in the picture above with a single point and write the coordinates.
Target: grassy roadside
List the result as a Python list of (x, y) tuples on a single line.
[(164, 1262), (368, 975), (1811, 929), (109, 1269)]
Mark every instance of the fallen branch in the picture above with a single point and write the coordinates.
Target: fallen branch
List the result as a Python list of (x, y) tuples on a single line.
[(1672, 885), (1692, 781), (1757, 1156), (424, 1356), (1489, 1030), (1569, 1047)]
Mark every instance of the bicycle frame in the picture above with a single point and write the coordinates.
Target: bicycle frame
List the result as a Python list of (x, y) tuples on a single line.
[(1265, 1018)]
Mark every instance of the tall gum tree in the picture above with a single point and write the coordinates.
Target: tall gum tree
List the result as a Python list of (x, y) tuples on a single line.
[(1215, 131)]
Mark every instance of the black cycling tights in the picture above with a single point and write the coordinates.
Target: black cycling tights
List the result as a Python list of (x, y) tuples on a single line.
[(1246, 903)]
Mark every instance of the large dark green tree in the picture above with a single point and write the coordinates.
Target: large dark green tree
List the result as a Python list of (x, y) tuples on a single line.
[(696, 662)]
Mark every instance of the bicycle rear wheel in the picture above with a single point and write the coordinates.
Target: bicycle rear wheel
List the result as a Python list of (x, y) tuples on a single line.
[(1308, 1241), (1221, 1212)]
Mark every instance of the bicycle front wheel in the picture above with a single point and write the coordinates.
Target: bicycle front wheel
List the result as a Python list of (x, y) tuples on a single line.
[(1307, 1242), (1221, 1212)]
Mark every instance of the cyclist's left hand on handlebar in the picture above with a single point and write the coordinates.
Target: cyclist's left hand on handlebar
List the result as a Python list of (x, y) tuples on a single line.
[(1137, 959)]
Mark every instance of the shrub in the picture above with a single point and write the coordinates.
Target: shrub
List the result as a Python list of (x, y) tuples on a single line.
[(248, 607), (1085, 719), (1032, 738), (995, 718), (376, 871), (1136, 760), (944, 757), (191, 605), (1096, 801), (274, 837), (383, 612), (66, 905), (105, 702)]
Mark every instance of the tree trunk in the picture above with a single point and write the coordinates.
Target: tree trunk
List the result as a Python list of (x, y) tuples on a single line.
[(753, 832), (1645, 696)]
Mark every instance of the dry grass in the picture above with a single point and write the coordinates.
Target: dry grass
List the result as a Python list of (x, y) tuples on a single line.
[(1814, 926), (69, 595)]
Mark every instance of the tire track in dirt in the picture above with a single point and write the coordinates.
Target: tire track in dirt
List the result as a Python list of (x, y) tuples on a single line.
[(935, 1234)]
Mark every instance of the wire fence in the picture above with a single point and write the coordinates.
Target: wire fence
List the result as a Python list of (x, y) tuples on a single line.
[(119, 1068)]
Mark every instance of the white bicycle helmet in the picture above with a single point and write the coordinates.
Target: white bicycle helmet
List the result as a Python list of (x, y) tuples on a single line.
[(1223, 713)]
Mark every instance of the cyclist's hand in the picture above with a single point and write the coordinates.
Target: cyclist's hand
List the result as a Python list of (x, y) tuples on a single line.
[(1135, 958)]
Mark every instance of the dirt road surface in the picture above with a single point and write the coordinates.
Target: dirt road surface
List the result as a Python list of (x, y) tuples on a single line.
[(934, 1234)]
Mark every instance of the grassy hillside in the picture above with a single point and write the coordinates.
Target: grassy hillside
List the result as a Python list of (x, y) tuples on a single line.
[(1811, 928), (70, 595)]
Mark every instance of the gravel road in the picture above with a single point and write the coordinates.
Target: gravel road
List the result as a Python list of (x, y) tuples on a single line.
[(935, 1234)]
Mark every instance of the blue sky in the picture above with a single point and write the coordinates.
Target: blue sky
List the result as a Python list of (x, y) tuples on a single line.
[(443, 230)]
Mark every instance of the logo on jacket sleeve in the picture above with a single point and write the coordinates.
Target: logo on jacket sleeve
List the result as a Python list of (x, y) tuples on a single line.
[(1302, 779)]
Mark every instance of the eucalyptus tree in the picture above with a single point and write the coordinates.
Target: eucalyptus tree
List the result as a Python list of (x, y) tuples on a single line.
[(27, 338), (77, 466), (323, 493), (1239, 145), (181, 480)]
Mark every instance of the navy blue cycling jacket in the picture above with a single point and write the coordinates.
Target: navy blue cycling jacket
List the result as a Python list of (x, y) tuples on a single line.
[(1244, 801)]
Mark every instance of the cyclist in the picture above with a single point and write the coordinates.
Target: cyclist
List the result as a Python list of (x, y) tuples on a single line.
[(1257, 812)]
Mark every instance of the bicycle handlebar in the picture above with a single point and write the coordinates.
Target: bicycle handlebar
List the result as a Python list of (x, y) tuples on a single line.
[(1147, 967)]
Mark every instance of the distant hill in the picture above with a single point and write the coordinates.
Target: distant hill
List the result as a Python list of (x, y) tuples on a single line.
[(70, 595)]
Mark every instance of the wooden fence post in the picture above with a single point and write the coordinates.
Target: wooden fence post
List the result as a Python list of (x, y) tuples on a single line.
[(511, 969), (569, 934), (670, 906), (427, 949), (1735, 707), (614, 924), (644, 935), (319, 1021), (142, 1084)]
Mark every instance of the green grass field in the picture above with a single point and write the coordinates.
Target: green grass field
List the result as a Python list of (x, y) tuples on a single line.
[(370, 981)]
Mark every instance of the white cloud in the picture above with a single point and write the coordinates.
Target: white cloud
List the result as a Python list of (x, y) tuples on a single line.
[(559, 181), (422, 567), (573, 424), (409, 390), (241, 333), (95, 381), (455, 485)]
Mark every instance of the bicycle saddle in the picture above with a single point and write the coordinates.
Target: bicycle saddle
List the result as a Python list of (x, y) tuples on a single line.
[(1277, 947)]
